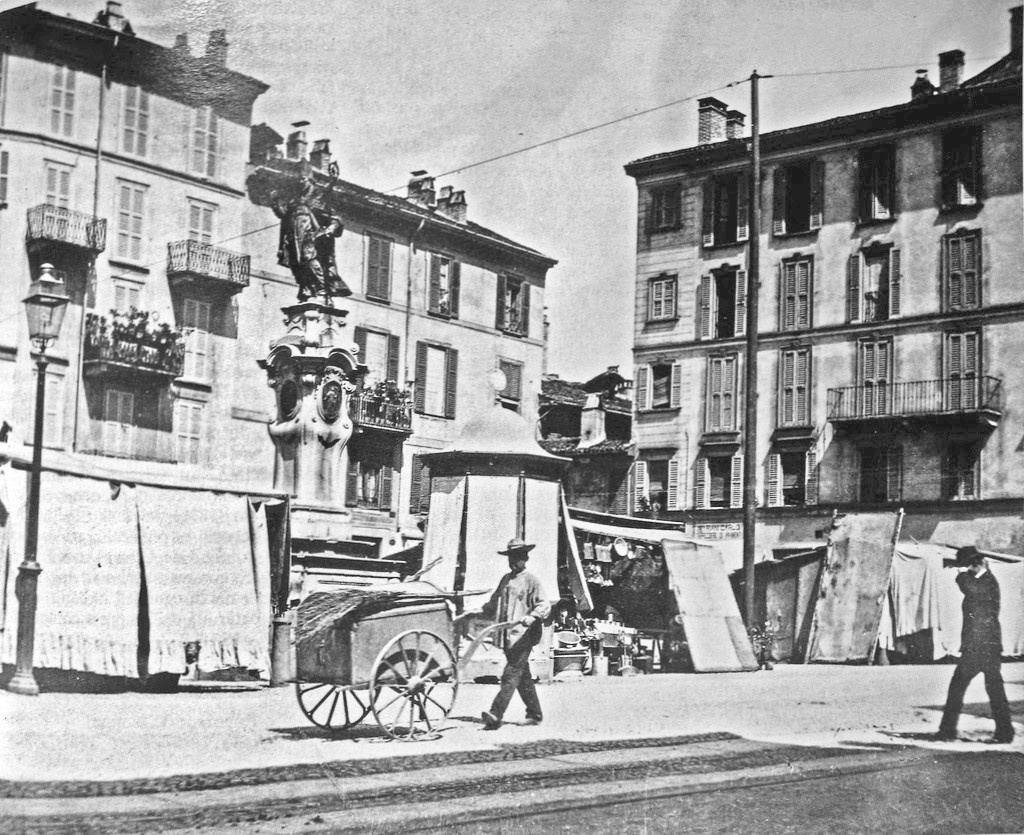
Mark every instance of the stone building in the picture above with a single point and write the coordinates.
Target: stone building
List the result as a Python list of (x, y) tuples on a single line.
[(889, 318)]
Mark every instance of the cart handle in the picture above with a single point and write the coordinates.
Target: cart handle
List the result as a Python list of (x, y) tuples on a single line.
[(479, 639)]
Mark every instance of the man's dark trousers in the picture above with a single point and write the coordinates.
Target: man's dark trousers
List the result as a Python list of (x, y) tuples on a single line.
[(516, 676), (966, 670)]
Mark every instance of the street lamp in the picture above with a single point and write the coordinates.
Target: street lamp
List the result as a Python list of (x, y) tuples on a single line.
[(45, 306)]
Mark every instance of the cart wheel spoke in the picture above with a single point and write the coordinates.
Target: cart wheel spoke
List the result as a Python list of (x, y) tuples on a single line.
[(320, 704)]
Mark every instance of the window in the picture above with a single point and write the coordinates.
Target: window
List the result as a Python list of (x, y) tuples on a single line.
[(718, 481), (53, 418), (126, 295), (419, 486), (656, 485), (962, 263), (188, 418), (135, 129), (873, 279), (961, 167), (200, 221), (513, 305), (661, 298), (659, 386), (380, 351), (205, 142), (119, 423), (131, 205), (877, 184), (792, 478), (794, 387), (378, 269), (370, 477), (443, 293), (722, 386), (726, 209), (511, 395), (196, 326), (875, 374), (3, 178), (961, 470), (723, 304), (799, 195), (436, 380), (881, 474), (58, 184), (963, 370), (796, 277), (665, 205), (62, 101)]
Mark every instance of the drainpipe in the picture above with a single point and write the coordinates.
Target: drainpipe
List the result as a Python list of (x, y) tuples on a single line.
[(91, 275), (397, 489)]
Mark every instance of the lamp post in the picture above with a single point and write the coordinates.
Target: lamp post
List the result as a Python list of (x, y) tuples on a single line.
[(45, 306)]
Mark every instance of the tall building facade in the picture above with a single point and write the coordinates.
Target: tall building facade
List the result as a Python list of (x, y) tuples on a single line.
[(889, 317), (127, 166)]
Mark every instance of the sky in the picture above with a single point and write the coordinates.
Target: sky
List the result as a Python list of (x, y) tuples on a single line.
[(403, 85)]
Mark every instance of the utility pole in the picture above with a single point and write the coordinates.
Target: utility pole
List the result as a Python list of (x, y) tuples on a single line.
[(750, 364)]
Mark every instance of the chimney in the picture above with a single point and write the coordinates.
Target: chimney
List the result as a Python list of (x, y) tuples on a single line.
[(296, 147), (181, 46), (443, 197), (951, 67), (734, 122), (114, 16), (320, 156), (421, 189), (1015, 29), (217, 47), (457, 207), (922, 88), (710, 120), (592, 428)]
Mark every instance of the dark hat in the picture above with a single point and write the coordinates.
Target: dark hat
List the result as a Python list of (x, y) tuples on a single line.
[(968, 555), (518, 547)]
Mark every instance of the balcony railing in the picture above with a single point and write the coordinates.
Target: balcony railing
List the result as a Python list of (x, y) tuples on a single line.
[(191, 259), (949, 396), (47, 222), (368, 409), (125, 344)]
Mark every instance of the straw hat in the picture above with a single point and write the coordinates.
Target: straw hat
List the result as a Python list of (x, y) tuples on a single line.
[(518, 547)]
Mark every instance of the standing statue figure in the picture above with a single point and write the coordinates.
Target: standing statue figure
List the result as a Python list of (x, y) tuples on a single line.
[(307, 245)]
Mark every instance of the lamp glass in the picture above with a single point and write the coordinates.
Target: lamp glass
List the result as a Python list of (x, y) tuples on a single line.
[(45, 305)]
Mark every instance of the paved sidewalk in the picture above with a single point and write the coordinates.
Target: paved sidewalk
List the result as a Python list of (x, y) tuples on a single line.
[(98, 739)]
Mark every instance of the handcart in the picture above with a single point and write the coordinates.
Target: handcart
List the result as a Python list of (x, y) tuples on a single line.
[(398, 664)]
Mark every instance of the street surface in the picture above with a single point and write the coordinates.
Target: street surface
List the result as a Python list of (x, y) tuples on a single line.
[(801, 748)]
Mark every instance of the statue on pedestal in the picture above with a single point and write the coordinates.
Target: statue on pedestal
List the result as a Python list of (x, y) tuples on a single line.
[(307, 245)]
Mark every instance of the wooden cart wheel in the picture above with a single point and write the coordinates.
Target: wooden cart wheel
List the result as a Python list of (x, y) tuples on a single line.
[(331, 706), (413, 687)]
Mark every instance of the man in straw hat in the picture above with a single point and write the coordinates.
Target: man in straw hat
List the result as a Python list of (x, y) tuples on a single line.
[(519, 598), (980, 647)]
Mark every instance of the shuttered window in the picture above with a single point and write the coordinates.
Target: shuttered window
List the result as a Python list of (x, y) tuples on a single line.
[(962, 263), (131, 210), (798, 198), (874, 285), (119, 423), (513, 306), (722, 394), (661, 296), (640, 487), (718, 482), (200, 221), (961, 167), (723, 304), (665, 208), (53, 419), (380, 351), (791, 478), (62, 101), (126, 295), (877, 184), (726, 209), (961, 472), (445, 280), (794, 387), (963, 370), (135, 123), (795, 287), (196, 326), (881, 474), (511, 394), (875, 376), (58, 185), (436, 383), (419, 486), (378, 268), (370, 484), (205, 147), (188, 417)]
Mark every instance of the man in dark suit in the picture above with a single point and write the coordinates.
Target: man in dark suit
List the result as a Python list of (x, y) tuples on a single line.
[(981, 646)]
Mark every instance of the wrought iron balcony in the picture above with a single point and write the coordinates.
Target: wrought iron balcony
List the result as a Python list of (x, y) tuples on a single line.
[(127, 346), (56, 225), (191, 261), (392, 414), (952, 398)]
